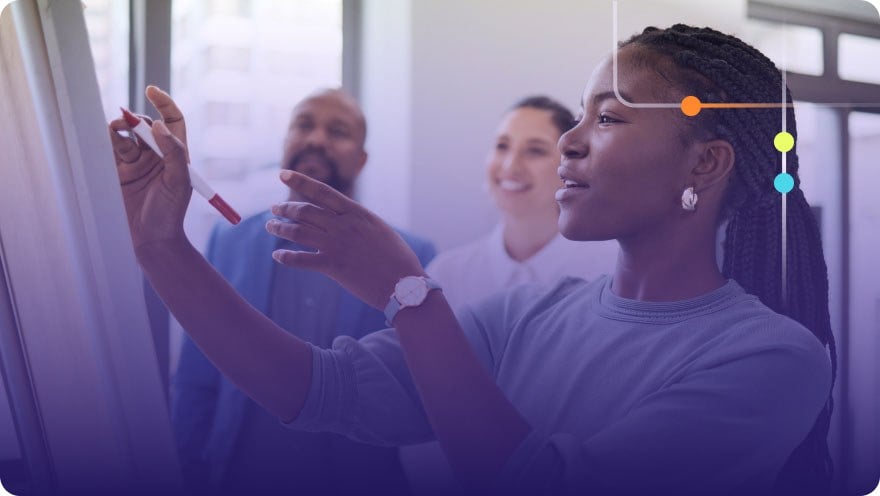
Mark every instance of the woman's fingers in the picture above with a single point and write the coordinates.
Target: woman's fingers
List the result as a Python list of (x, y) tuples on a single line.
[(125, 148), (303, 234), (174, 151), (164, 104), (134, 159), (316, 192), (305, 213), (299, 259), (167, 108)]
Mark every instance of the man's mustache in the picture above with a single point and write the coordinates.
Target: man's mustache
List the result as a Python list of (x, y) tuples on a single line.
[(312, 152), (334, 178)]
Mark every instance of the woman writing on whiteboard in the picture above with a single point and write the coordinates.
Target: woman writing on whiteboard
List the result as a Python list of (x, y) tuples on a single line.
[(669, 375)]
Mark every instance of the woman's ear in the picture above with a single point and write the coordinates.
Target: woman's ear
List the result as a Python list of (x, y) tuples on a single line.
[(714, 164)]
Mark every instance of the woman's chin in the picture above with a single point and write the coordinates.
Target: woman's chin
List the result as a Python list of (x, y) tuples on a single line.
[(582, 231)]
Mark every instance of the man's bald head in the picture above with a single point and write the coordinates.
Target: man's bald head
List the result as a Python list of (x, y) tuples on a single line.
[(326, 138), (343, 99)]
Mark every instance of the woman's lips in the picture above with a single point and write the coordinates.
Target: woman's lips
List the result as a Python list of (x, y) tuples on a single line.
[(570, 190), (511, 186)]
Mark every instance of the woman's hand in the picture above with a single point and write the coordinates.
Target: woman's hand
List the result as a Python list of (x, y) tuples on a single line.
[(354, 246), (156, 191)]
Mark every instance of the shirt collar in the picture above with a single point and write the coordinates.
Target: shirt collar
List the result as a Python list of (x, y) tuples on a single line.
[(542, 267)]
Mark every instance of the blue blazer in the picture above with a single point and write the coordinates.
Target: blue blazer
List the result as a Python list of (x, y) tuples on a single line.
[(207, 409)]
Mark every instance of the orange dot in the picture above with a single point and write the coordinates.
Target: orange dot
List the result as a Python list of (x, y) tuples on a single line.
[(691, 106)]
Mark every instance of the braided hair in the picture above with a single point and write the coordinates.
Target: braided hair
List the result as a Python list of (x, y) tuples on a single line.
[(716, 67)]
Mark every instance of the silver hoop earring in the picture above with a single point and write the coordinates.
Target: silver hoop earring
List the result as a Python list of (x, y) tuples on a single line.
[(689, 199)]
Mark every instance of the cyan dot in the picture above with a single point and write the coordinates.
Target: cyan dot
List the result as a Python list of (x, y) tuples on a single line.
[(783, 182)]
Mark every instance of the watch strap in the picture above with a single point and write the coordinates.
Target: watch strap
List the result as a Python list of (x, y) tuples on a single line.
[(391, 310), (394, 306)]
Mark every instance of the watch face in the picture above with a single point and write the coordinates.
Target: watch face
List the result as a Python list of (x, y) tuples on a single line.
[(410, 291)]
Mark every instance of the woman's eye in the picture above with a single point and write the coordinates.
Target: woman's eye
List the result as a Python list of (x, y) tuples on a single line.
[(537, 152), (606, 119), (501, 146)]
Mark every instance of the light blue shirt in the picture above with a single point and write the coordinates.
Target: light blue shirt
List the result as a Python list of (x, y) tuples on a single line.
[(704, 396)]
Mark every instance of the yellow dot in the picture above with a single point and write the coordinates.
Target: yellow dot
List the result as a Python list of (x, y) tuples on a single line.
[(783, 141), (691, 106)]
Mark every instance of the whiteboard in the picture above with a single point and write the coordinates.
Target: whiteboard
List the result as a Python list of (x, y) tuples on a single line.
[(78, 359)]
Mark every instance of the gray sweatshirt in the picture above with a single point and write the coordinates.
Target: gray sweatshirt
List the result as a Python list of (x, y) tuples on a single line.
[(704, 396)]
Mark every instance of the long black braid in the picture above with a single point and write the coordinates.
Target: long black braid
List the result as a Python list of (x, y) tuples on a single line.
[(716, 67)]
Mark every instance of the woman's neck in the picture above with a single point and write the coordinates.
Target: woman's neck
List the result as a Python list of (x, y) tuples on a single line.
[(524, 237), (667, 267)]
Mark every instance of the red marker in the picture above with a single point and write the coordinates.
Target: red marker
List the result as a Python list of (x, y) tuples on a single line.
[(143, 130)]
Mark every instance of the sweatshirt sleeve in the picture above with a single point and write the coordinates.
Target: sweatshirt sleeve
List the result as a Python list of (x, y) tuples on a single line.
[(363, 388), (726, 427)]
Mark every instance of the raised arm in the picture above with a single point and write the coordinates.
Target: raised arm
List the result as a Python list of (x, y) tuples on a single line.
[(475, 423), (272, 366)]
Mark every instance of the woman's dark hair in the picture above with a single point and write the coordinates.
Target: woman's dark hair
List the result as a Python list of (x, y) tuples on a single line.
[(716, 67), (562, 118)]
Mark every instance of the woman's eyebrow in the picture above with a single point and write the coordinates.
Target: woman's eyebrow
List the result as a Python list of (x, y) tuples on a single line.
[(606, 95)]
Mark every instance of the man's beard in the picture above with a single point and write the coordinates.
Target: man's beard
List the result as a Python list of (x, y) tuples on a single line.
[(334, 179)]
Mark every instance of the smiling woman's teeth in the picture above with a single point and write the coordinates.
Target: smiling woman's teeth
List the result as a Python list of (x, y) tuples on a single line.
[(509, 185), (571, 184)]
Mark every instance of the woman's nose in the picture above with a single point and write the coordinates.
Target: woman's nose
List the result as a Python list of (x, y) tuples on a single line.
[(572, 146), (510, 163)]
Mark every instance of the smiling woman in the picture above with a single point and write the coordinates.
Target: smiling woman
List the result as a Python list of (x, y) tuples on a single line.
[(522, 178)]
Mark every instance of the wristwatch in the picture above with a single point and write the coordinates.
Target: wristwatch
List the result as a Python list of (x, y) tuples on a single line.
[(410, 291)]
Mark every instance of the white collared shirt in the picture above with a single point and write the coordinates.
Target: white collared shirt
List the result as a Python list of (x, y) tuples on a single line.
[(476, 270)]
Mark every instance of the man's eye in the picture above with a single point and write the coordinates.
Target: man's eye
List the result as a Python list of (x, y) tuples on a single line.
[(339, 132), (501, 146)]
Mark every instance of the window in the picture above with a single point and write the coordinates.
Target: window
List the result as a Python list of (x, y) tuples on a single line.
[(232, 8), (864, 292), (225, 58), (853, 53), (238, 68), (796, 48), (227, 114)]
